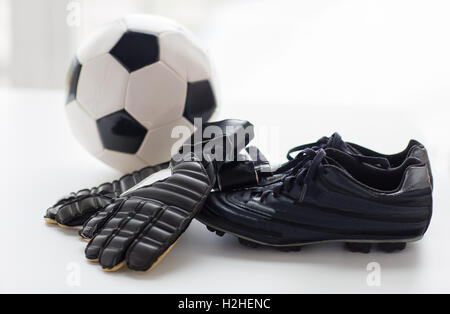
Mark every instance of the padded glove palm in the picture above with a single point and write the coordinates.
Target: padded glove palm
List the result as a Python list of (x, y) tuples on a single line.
[(138, 228)]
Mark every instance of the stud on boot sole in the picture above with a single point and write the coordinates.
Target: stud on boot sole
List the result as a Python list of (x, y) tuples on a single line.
[(219, 233), (391, 247), (358, 247)]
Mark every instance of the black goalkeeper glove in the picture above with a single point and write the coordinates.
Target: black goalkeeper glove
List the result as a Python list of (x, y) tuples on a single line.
[(142, 225)]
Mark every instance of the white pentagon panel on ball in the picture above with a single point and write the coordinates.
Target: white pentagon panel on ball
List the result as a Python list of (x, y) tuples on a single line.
[(184, 56), (101, 41), (151, 24), (102, 86), (159, 144), (84, 128), (125, 163), (156, 95)]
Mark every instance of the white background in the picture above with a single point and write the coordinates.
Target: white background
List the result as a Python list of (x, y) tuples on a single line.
[(376, 71)]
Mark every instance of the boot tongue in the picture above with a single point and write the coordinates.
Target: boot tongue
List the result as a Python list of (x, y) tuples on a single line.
[(335, 141)]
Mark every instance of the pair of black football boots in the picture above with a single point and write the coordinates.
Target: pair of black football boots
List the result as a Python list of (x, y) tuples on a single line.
[(328, 191)]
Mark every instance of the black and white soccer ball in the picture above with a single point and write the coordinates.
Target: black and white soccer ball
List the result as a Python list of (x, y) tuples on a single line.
[(131, 83)]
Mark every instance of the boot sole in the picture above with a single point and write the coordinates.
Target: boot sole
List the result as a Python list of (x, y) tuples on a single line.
[(354, 246)]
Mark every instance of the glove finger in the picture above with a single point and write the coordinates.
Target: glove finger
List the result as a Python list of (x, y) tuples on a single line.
[(101, 237), (119, 215), (96, 222), (156, 239), (51, 212), (50, 215), (137, 215), (76, 213)]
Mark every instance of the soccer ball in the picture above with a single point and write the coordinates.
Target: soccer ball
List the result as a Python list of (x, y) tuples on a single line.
[(131, 83)]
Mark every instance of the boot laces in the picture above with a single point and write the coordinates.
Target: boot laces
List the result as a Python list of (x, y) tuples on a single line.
[(305, 170), (335, 141)]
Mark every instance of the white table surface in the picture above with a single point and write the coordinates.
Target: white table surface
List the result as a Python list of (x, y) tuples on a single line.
[(40, 161)]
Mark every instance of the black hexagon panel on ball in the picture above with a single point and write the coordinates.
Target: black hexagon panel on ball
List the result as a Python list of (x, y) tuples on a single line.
[(121, 132), (136, 50)]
